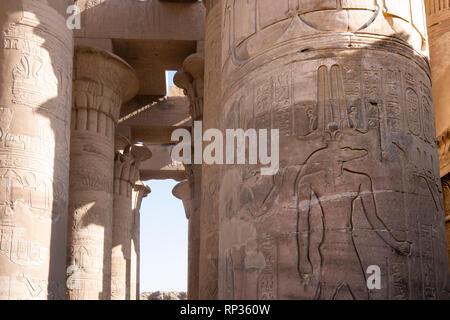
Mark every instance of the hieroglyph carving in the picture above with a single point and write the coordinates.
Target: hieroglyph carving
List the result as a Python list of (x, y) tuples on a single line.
[(35, 100)]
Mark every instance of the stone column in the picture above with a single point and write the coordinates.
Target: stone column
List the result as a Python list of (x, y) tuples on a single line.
[(35, 98), (191, 79), (126, 174), (101, 83), (347, 84), (140, 191), (438, 20)]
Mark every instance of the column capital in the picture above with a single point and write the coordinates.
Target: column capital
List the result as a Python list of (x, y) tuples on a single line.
[(121, 142), (126, 165), (102, 81), (139, 186), (191, 80), (183, 192)]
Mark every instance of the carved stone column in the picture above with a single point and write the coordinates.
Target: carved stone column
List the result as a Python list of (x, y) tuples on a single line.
[(101, 83), (126, 174), (140, 191), (35, 98), (347, 84), (438, 20), (211, 174), (191, 79), (446, 193)]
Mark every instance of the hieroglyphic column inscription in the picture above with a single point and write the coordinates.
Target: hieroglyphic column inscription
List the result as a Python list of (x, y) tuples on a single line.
[(359, 177), (101, 82)]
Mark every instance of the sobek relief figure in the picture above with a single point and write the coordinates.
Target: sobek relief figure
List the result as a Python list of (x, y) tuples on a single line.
[(328, 185)]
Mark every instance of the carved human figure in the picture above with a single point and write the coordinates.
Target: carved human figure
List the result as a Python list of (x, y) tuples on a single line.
[(312, 120), (328, 182)]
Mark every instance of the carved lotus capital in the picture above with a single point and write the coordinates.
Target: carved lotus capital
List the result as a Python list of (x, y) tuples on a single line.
[(102, 81)]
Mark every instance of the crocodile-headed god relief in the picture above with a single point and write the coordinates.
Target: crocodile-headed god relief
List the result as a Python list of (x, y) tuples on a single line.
[(347, 84)]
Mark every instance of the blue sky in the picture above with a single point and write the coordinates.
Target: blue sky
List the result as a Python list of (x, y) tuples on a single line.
[(164, 233), (169, 79)]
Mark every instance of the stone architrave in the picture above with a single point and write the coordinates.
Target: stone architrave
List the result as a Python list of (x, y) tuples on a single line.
[(191, 80), (140, 191), (347, 84), (35, 100), (101, 83), (438, 20), (126, 175)]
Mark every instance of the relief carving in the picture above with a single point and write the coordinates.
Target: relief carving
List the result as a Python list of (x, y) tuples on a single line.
[(268, 282), (349, 124), (328, 181), (19, 250)]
